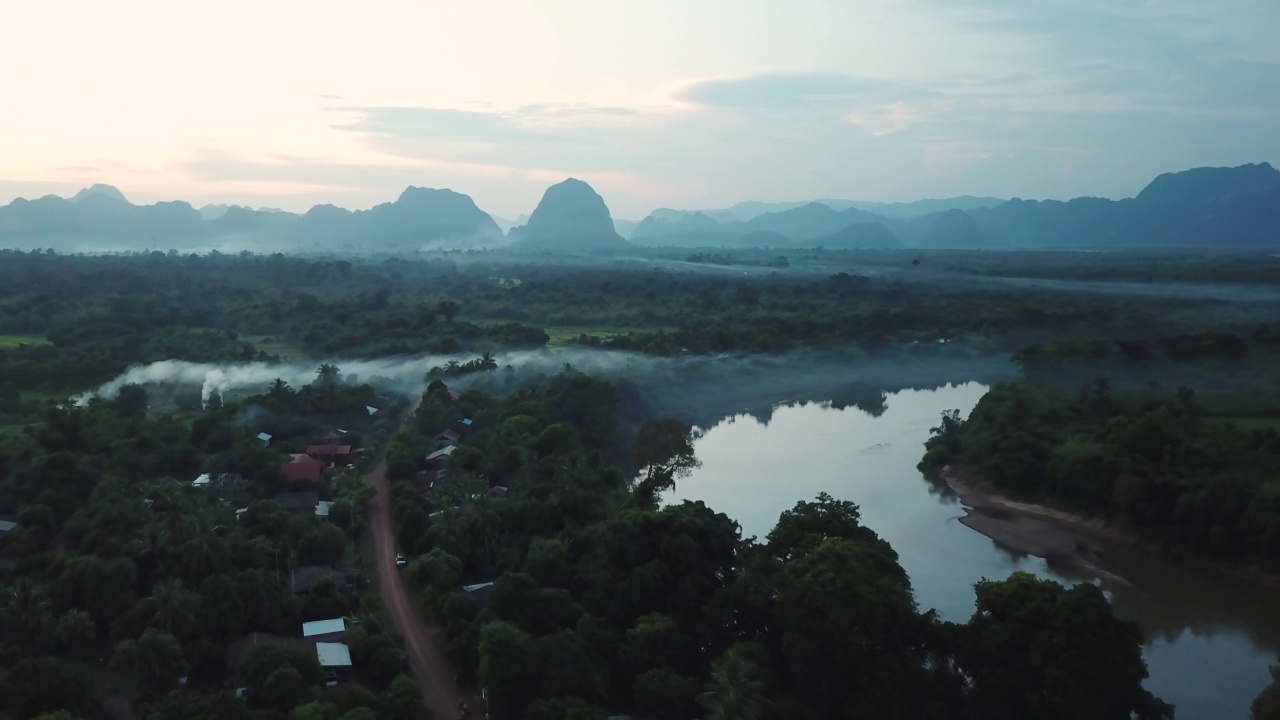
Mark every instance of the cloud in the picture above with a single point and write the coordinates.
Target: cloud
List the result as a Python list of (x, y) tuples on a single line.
[(784, 91)]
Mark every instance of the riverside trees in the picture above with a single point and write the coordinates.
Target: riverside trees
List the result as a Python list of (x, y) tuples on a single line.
[(601, 600)]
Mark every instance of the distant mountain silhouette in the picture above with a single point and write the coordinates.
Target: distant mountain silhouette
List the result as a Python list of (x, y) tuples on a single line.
[(570, 216), (99, 191), (100, 218), (1201, 208), (806, 225)]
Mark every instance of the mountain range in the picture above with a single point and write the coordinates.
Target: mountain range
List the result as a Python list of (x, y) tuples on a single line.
[(1201, 208)]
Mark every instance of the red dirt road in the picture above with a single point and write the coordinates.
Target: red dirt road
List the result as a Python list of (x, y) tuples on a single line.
[(440, 692)]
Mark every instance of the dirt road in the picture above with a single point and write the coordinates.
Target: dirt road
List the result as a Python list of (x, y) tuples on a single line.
[(440, 692)]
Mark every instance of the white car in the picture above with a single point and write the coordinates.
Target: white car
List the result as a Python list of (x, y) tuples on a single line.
[(400, 560)]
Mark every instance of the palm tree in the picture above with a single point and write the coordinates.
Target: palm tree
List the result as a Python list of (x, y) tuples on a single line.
[(201, 553), (168, 605), (487, 362), (327, 374), (732, 692)]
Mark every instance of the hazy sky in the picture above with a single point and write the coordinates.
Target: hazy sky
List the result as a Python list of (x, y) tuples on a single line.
[(673, 103)]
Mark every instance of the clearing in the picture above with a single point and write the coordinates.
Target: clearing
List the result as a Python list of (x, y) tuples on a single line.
[(11, 342)]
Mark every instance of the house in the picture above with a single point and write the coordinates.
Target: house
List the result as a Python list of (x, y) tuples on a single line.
[(265, 438), (299, 501), (333, 655), (302, 468), (330, 454), (438, 458), (304, 578), (499, 491), (466, 422), (322, 509), (449, 437), (480, 594), (324, 630), (371, 410), (7, 529), (219, 482), (428, 479)]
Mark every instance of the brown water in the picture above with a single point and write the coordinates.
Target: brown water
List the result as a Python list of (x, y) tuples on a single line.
[(1210, 638)]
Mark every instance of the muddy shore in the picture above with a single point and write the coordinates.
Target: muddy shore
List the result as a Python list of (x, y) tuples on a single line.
[(1061, 537), (1056, 536)]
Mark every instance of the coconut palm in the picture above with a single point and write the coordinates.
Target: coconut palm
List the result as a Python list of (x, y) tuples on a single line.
[(169, 605), (732, 691)]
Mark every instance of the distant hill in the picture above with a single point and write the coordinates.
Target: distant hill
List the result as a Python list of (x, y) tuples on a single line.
[(100, 218), (806, 225), (1201, 208), (570, 216)]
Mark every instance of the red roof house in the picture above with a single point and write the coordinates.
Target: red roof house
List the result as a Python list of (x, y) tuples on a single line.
[(329, 454), (302, 467)]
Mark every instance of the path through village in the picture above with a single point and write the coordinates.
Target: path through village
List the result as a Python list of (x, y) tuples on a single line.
[(440, 692)]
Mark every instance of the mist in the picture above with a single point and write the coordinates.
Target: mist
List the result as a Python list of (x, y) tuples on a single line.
[(695, 388)]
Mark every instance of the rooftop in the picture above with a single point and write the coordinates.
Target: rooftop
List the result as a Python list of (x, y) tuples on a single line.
[(302, 467), (324, 627), (328, 450), (443, 452), (322, 508), (8, 526), (333, 654), (298, 500)]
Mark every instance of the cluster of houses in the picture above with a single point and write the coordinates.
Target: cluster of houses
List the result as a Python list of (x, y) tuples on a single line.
[(323, 637)]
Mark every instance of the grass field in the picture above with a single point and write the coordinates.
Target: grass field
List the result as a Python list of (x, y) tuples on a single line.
[(273, 345), (561, 336), (9, 342)]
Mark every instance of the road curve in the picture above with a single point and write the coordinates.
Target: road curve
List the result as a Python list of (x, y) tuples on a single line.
[(439, 690)]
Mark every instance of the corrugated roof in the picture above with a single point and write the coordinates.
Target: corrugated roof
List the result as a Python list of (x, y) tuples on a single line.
[(322, 508), (324, 627), (445, 451), (264, 437), (201, 481), (333, 654), (8, 526)]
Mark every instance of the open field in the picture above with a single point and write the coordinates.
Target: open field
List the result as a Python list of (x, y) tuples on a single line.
[(9, 342), (561, 336)]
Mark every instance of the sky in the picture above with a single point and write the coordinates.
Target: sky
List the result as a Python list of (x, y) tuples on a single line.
[(661, 103)]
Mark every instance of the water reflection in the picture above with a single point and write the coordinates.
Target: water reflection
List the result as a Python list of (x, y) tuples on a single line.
[(1211, 638)]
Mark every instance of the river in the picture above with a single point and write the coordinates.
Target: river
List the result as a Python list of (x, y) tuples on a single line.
[(1210, 639)]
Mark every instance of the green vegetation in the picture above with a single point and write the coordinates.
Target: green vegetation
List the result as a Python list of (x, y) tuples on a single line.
[(12, 342), (123, 578), (130, 586), (1153, 461), (567, 591)]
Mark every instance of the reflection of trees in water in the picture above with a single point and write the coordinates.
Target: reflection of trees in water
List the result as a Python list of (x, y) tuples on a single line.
[(1169, 599)]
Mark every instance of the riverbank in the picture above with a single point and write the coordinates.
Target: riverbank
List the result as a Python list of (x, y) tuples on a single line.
[(1059, 537), (1062, 537)]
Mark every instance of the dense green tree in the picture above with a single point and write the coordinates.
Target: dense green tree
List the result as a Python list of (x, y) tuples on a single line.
[(157, 660), (1036, 649), (1267, 705)]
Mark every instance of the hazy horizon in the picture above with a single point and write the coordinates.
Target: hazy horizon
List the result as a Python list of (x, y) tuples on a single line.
[(657, 105)]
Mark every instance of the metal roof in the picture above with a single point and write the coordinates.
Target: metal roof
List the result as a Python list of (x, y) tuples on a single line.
[(333, 654), (323, 627), (445, 451), (8, 525), (264, 437), (322, 509)]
